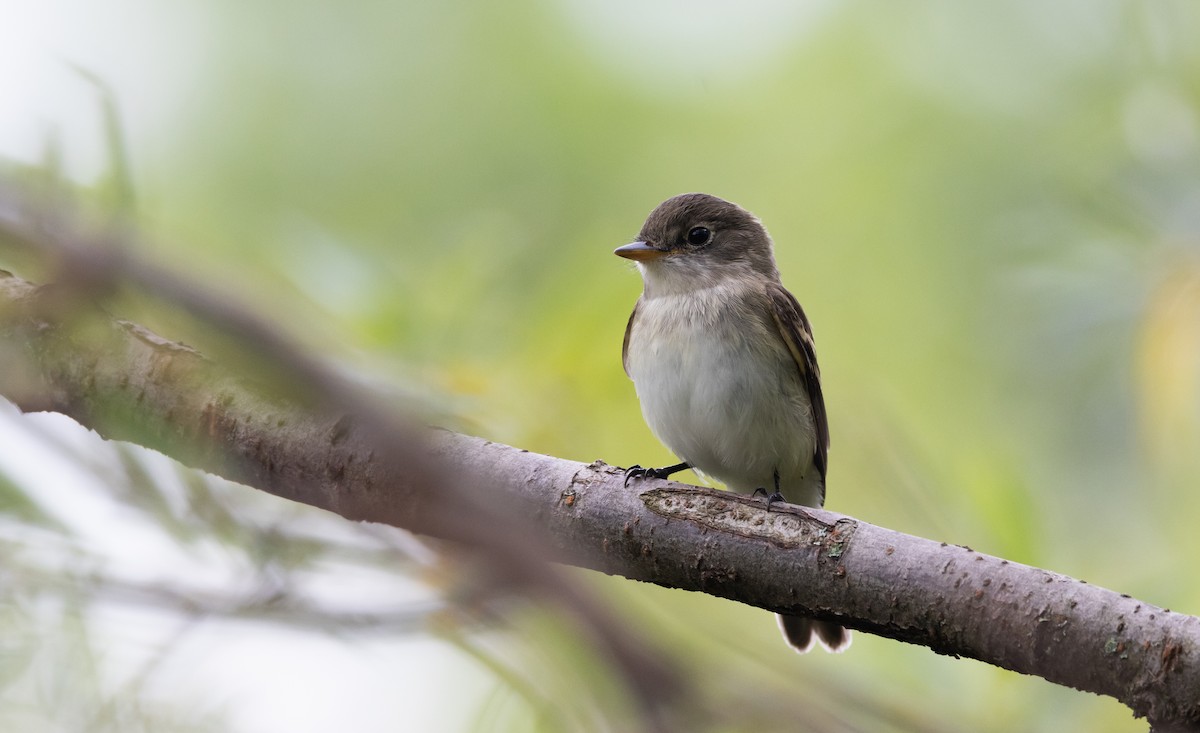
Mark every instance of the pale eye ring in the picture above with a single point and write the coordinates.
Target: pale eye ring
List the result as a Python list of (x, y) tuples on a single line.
[(699, 236)]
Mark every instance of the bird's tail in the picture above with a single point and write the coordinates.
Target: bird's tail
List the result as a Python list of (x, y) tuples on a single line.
[(801, 631)]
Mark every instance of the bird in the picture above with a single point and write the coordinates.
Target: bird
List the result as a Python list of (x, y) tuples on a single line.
[(724, 365)]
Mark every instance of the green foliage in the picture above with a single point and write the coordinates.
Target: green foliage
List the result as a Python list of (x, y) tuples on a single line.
[(988, 213)]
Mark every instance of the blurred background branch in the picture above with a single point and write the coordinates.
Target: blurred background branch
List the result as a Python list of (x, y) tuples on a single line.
[(304, 433)]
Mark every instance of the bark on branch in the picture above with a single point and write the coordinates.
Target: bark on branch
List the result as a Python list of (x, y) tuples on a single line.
[(129, 384)]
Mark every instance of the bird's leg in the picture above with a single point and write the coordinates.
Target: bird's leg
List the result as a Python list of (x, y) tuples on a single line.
[(771, 498), (638, 472)]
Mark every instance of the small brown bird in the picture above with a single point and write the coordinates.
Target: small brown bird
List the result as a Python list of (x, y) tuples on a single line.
[(723, 361)]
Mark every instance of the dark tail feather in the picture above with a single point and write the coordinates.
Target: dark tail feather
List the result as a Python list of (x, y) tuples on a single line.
[(800, 632)]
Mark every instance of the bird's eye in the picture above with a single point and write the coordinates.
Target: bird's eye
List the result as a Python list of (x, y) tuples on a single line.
[(699, 235)]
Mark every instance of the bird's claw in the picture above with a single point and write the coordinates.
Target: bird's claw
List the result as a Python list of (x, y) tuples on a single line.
[(665, 472), (637, 472), (771, 498)]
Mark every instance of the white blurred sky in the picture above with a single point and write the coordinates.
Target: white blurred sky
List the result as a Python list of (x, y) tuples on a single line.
[(147, 52)]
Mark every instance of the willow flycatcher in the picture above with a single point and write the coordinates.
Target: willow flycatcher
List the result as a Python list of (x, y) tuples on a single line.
[(723, 361)]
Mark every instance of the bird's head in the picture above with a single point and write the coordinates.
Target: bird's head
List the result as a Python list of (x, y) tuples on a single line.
[(695, 240)]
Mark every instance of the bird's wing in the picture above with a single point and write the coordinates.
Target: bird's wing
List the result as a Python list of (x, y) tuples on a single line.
[(797, 334), (629, 330)]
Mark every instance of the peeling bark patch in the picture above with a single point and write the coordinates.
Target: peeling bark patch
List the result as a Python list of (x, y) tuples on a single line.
[(788, 527), (341, 430), (1170, 659), (158, 342), (839, 537), (1115, 647)]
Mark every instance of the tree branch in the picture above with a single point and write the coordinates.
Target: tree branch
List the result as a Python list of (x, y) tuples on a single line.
[(129, 384)]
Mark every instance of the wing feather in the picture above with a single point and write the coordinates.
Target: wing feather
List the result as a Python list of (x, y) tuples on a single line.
[(628, 331), (797, 334)]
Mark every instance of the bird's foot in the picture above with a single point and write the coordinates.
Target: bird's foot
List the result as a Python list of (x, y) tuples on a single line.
[(771, 498), (637, 472)]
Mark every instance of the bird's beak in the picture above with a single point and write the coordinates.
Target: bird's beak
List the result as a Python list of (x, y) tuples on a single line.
[(640, 251)]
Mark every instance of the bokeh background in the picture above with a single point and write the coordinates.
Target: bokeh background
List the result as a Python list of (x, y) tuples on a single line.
[(991, 214)]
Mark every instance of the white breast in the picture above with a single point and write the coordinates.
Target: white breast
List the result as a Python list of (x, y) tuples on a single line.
[(719, 388)]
